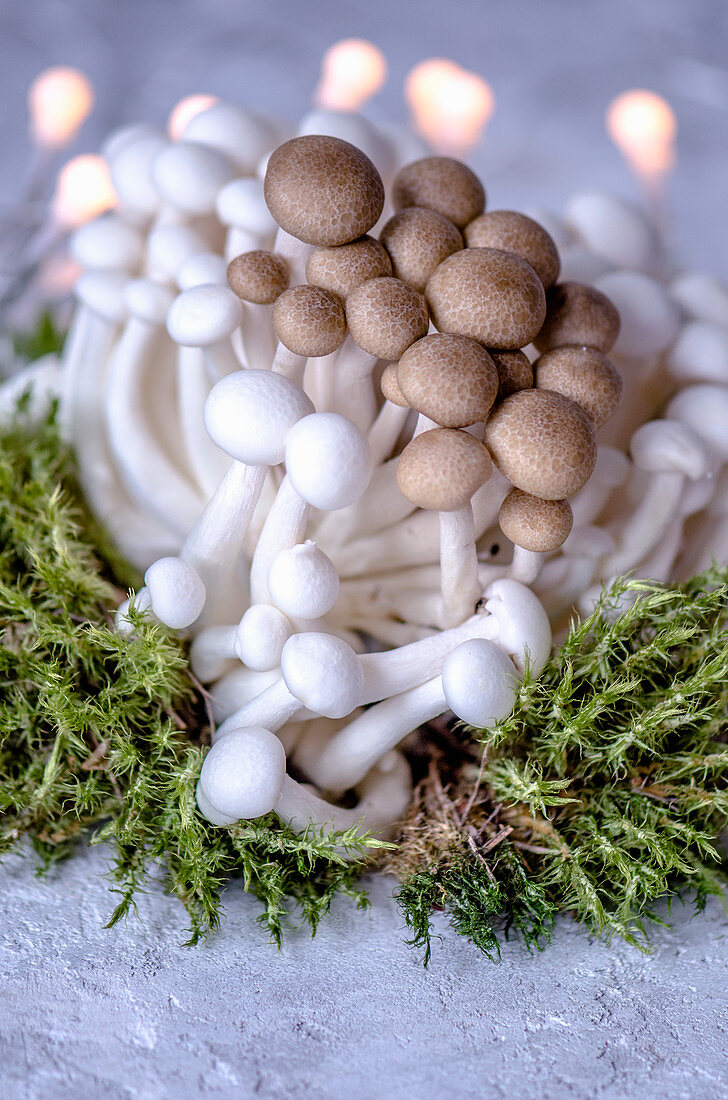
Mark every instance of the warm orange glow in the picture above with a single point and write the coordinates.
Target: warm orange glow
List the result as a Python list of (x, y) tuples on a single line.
[(643, 127), (352, 71), (59, 275), (59, 101), (187, 109), (450, 106), (83, 191)]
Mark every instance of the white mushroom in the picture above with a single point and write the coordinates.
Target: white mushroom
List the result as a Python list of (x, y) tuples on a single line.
[(206, 317)]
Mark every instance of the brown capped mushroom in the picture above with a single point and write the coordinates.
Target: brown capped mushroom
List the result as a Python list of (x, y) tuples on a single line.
[(492, 296), (513, 232), (258, 276), (385, 316), (578, 314), (584, 375), (514, 371), (535, 524), (450, 379), (542, 442), (417, 241), (390, 387), (322, 190), (442, 184), (440, 470), (309, 321), (341, 270)]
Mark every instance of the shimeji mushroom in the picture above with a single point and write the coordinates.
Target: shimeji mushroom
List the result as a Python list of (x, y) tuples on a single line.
[(108, 243), (248, 415), (514, 371), (440, 470), (244, 776), (391, 418), (130, 155), (451, 379), (417, 241), (303, 582), (206, 317), (513, 232), (358, 131), (535, 527), (328, 466), (188, 177), (169, 246), (442, 184), (342, 268), (577, 314), (241, 207), (257, 277), (493, 297), (701, 296), (649, 318), (309, 322), (243, 137), (585, 376), (478, 683), (700, 353), (614, 230)]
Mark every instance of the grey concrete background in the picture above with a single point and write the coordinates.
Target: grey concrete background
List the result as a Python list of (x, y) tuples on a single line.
[(129, 1013)]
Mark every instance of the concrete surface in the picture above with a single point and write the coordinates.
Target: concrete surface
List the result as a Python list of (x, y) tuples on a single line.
[(87, 1013), (129, 1013)]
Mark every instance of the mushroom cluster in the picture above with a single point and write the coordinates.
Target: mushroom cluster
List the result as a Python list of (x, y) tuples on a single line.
[(365, 436)]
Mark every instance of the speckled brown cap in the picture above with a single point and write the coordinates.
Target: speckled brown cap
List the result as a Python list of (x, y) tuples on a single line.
[(533, 523), (441, 469), (513, 232), (451, 379), (514, 371), (309, 321), (584, 375), (417, 241), (343, 269), (258, 276), (442, 184), (323, 190), (578, 314), (390, 386), (385, 316), (542, 442), (492, 296)]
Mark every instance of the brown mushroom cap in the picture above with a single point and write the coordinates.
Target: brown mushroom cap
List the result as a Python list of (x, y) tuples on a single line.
[(451, 379), (542, 442), (533, 523), (417, 241), (492, 296), (513, 232), (309, 321), (514, 371), (258, 276), (584, 375), (346, 267), (442, 184), (385, 316), (390, 387), (442, 468), (323, 190), (578, 314)]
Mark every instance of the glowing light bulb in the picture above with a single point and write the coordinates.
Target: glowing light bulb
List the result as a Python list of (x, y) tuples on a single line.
[(643, 127), (450, 106), (352, 71), (187, 109), (83, 191), (59, 101)]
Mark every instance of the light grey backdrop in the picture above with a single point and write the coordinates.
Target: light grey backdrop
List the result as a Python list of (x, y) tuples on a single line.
[(129, 1013)]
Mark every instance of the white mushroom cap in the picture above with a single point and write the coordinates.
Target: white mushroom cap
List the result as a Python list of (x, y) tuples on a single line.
[(649, 318), (204, 315), (523, 625), (249, 414), (262, 632), (242, 775), (701, 296), (205, 267), (480, 683), (243, 137), (661, 445), (613, 229), (303, 581), (114, 142), (700, 353), (148, 300), (141, 602), (704, 408), (323, 672), (176, 592), (188, 176), (130, 166), (170, 245), (107, 243), (206, 808), (328, 460), (102, 292), (241, 203)]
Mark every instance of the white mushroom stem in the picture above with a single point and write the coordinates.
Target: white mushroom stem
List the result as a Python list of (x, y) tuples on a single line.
[(525, 567), (380, 505), (289, 364), (611, 470), (459, 583), (272, 708), (285, 526), (236, 687), (294, 252), (207, 462), (354, 395), (386, 430), (212, 651)]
